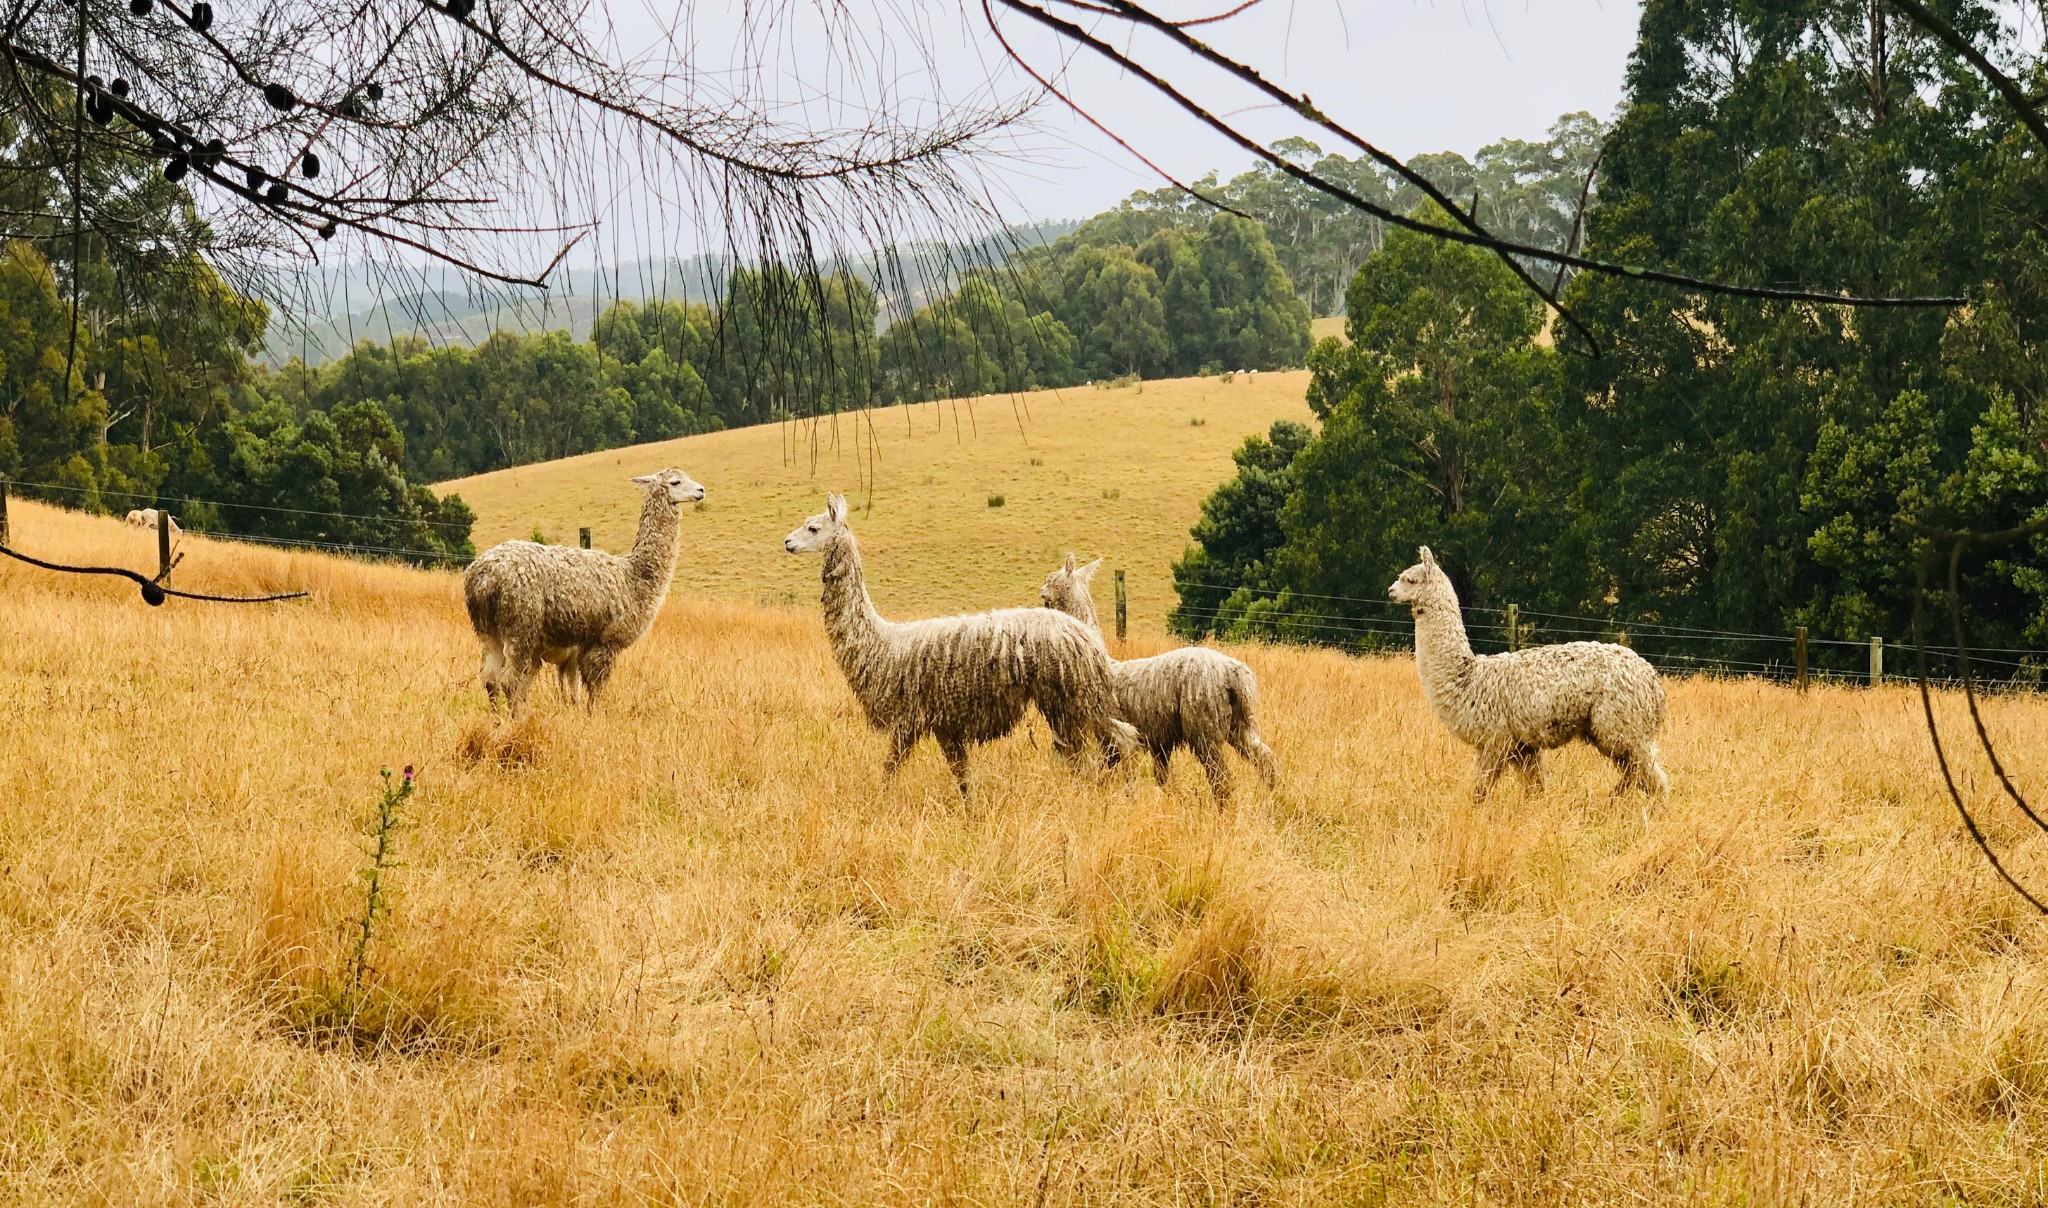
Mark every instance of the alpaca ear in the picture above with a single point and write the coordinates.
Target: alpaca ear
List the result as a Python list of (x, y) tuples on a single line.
[(644, 480), (1428, 559), (1068, 565), (835, 508), (1087, 572)]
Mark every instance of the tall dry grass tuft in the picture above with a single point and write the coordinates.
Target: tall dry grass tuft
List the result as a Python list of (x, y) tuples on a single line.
[(694, 948)]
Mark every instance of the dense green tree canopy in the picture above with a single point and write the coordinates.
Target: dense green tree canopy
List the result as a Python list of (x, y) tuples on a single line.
[(1728, 464)]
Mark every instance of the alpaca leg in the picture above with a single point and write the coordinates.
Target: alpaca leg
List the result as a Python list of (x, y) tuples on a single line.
[(593, 671), (956, 759), (1487, 766), (569, 678), (1528, 764), (900, 742), (1162, 765), (1259, 755), (1213, 762), (494, 674), (522, 664)]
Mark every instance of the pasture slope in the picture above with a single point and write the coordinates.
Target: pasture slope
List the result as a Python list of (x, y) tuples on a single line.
[(694, 950), (1118, 473)]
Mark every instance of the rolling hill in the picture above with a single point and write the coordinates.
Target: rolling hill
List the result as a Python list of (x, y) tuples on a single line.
[(1113, 472)]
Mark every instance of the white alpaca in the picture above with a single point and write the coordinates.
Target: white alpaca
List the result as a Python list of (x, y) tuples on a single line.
[(963, 679), (1194, 697), (1512, 707), (575, 608), (135, 518), (148, 518)]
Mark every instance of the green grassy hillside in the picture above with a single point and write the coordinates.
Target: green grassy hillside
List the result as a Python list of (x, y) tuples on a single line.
[(1118, 473)]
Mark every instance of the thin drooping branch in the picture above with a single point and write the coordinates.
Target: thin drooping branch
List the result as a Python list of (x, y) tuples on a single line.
[(1071, 32), (1467, 218)]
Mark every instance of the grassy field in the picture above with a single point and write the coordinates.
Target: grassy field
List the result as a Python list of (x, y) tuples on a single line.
[(692, 949), (1117, 473)]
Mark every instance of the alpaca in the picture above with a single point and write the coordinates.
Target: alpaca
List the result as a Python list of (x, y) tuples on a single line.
[(962, 679), (575, 608), (1195, 697), (1512, 707), (148, 518), (135, 518)]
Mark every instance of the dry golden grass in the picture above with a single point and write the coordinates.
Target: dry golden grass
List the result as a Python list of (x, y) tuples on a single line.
[(692, 949), (1118, 473)]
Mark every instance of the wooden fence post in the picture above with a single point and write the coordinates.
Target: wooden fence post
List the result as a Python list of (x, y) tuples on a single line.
[(1799, 657), (1514, 629), (163, 545), (1122, 613), (6, 538), (1876, 660), (583, 536)]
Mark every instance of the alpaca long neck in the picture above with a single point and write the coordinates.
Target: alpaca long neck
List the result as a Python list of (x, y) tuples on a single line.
[(850, 616), (652, 561), (1081, 605), (1442, 652)]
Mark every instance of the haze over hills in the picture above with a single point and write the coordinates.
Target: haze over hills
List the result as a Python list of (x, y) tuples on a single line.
[(343, 304)]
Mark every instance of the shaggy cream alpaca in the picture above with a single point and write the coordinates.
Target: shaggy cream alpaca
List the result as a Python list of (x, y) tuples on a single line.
[(966, 679), (575, 608), (1194, 697), (1512, 707)]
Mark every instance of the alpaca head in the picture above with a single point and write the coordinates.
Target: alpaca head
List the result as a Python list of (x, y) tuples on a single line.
[(1423, 584), (1066, 589), (680, 487), (820, 531)]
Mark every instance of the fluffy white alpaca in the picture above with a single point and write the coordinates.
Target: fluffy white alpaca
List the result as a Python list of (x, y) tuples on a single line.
[(1194, 697), (965, 679), (575, 608), (1512, 707)]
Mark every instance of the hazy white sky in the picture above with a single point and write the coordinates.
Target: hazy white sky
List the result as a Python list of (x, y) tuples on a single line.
[(1413, 75)]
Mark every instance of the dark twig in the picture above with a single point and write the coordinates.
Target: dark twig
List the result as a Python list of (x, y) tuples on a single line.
[(152, 591)]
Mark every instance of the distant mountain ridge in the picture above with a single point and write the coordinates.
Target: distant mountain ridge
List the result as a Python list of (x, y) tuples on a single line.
[(344, 304)]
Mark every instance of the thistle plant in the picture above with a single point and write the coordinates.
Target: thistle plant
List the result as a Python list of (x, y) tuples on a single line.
[(383, 833)]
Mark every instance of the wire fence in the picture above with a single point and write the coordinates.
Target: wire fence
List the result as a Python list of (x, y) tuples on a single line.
[(222, 507), (1365, 624)]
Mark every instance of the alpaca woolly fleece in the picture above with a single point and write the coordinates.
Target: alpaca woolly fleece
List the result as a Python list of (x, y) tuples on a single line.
[(1512, 707), (575, 608), (1194, 697), (962, 679)]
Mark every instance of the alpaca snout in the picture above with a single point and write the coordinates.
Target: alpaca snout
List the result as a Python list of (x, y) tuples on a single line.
[(788, 546)]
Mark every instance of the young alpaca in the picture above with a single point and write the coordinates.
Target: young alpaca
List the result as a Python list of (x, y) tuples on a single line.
[(1513, 707), (963, 679), (1194, 697), (574, 608)]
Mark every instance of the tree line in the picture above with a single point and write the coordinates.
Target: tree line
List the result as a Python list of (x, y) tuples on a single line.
[(1725, 464)]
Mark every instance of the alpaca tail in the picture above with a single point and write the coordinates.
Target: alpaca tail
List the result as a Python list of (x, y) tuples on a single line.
[(480, 595)]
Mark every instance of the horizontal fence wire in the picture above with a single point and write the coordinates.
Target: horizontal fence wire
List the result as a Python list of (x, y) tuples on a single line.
[(161, 500), (1677, 648), (1393, 631)]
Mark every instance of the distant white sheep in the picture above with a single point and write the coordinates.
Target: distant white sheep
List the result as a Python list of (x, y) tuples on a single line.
[(1194, 697), (575, 608), (1512, 707), (962, 679)]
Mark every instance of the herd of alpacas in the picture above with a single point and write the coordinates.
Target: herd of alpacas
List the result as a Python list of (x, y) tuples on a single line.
[(970, 679)]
